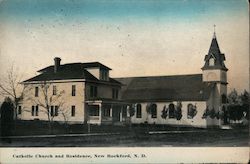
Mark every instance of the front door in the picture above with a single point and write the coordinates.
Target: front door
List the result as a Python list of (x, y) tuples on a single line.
[(116, 110)]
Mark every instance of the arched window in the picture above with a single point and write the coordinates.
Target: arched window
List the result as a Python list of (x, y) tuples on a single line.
[(171, 110), (189, 110), (211, 62), (153, 110), (138, 111)]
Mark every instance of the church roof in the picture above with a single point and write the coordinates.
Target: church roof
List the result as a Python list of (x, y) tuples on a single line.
[(214, 52), (165, 88), (70, 71)]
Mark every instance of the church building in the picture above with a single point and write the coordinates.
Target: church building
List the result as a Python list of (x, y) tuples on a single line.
[(85, 93)]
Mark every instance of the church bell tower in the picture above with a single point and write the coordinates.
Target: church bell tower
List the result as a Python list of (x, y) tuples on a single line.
[(214, 72), (214, 69)]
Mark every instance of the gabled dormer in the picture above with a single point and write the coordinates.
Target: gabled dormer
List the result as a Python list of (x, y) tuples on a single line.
[(100, 71)]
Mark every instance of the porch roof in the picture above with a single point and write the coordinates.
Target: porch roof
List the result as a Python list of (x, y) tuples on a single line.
[(106, 101)]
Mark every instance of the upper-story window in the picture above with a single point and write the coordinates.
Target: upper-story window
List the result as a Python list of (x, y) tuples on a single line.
[(54, 90), (211, 62), (103, 74), (115, 93), (36, 91), (93, 91), (73, 93)]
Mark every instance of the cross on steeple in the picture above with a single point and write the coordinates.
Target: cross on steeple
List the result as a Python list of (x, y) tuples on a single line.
[(214, 32)]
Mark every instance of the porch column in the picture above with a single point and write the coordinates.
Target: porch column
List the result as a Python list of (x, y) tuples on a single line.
[(100, 113), (121, 114), (111, 107), (128, 113)]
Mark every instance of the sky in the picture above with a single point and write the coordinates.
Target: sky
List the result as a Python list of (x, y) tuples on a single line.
[(133, 37)]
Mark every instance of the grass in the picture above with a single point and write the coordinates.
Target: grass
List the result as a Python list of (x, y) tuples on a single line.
[(41, 128), (135, 135)]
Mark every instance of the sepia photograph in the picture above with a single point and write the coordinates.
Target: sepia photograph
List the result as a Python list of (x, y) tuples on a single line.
[(124, 81)]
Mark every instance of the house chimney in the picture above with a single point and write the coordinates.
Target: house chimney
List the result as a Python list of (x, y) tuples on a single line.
[(57, 64)]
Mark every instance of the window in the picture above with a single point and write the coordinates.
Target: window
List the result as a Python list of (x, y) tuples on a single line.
[(115, 93), (73, 90), (33, 111), (103, 74), (36, 91), (19, 109), (211, 62), (37, 110), (191, 111), (153, 111), (54, 90), (93, 110), (171, 111), (93, 91), (138, 111), (106, 112), (54, 111), (73, 111)]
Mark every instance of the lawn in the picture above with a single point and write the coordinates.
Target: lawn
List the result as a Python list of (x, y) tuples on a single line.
[(128, 136)]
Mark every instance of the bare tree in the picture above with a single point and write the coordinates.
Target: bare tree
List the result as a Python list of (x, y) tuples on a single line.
[(46, 100), (65, 113), (10, 87)]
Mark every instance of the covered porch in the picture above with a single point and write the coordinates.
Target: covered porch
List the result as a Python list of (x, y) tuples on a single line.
[(107, 112)]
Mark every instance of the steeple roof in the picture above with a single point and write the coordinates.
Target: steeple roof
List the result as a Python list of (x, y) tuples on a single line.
[(214, 47), (215, 53)]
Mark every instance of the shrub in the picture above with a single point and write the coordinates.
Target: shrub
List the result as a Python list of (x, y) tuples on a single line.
[(178, 111), (7, 114), (164, 112), (212, 114), (206, 113)]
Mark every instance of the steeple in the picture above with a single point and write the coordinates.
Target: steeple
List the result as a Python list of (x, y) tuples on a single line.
[(214, 59), (214, 47)]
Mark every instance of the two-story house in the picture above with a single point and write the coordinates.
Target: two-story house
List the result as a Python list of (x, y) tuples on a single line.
[(74, 92)]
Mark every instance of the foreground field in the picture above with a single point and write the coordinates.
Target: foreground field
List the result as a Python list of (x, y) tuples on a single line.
[(38, 135)]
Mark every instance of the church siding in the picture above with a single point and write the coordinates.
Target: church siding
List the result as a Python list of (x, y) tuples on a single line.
[(185, 121)]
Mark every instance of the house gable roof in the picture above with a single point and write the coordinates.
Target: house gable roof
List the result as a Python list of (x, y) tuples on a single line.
[(73, 66), (70, 71), (165, 88)]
